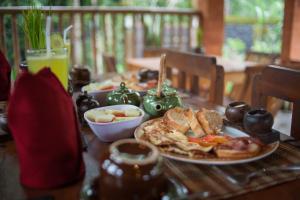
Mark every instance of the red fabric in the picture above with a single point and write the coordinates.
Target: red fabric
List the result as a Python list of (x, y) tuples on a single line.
[(42, 120), (4, 78)]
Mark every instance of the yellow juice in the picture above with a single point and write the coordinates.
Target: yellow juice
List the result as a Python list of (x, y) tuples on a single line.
[(58, 63)]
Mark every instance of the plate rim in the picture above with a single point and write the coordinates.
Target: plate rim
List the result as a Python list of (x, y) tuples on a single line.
[(210, 162)]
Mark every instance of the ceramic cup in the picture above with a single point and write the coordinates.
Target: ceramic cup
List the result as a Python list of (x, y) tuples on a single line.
[(235, 111), (258, 121)]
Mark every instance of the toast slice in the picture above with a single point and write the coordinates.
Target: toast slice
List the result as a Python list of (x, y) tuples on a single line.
[(193, 122), (210, 120), (238, 148), (176, 119)]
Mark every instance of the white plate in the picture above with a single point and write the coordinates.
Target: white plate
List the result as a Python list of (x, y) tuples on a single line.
[(269, 149)]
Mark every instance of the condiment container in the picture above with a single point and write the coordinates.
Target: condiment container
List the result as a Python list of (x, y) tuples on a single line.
[(131, 169), (258, 121), (80, 76), (235, 111), (85, 102)]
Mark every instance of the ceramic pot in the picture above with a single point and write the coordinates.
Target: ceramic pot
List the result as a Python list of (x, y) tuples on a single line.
[(132, 170), (85, 102), (80, 76), (146, 75), (258, 121), (235, 111)]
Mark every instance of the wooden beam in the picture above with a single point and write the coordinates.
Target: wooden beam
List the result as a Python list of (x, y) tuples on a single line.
[(213, 25), (290, 50)]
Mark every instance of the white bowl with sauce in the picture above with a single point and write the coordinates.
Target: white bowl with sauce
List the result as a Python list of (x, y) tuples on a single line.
[(112, 131)]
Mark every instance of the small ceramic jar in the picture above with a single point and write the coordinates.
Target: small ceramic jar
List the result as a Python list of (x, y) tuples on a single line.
[(146, 75), (258, 121), (80, 76), (235, 111), (131, 169), (85, 102)]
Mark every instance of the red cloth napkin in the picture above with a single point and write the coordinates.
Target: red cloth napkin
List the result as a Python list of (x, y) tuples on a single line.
[(42, 120), (4, 78)]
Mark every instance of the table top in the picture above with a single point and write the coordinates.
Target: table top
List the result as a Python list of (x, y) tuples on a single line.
[(10, 187), (153, 63)]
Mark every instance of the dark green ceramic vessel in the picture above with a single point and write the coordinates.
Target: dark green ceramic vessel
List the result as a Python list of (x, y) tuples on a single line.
[(156, 106), (123, 95)]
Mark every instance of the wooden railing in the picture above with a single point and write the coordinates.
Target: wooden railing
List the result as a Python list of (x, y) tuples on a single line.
[(121, 31)]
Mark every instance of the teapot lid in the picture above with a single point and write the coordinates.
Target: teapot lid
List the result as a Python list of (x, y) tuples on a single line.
[(122, 89), (166, 91)]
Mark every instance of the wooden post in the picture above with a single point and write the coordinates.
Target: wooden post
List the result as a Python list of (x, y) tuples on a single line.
[(290, 50), (213, 25)]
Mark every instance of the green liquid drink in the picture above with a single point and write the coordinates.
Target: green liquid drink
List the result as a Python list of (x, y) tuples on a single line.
[(68, 46), (56, 60)]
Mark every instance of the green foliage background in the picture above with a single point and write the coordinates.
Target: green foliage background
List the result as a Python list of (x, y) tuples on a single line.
[(265, 17)]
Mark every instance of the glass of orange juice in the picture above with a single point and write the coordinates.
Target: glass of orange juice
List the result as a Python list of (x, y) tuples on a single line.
[(56, 60)]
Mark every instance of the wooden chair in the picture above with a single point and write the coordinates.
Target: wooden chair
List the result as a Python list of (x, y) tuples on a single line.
[(283, 83), (194, 67), (245, 90), (154, 52), (250, 73), (242, 91), (292, 65), (109, 62)]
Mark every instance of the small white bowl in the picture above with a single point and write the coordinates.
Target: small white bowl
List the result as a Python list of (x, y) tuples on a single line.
[(112, 131)]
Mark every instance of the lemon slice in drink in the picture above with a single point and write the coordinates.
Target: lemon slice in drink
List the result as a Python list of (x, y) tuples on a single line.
[(57, 41)]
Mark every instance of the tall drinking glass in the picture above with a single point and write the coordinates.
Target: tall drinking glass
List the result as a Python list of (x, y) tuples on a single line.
[(56, 60)]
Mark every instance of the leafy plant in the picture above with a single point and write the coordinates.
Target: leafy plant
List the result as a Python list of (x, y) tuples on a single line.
[(234, 47), (34, 27), (265, 17)]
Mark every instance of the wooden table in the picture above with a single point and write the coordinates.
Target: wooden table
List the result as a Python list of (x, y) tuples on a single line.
[(234, 69), (10, 188), (153, 64)]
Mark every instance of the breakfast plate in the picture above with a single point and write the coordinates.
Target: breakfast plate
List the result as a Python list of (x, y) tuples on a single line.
[(228, 131)]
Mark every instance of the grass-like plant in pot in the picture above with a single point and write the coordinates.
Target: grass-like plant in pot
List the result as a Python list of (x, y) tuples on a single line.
[(34, 27)]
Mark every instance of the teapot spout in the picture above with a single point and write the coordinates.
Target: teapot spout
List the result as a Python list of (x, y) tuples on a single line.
[(158, 107)]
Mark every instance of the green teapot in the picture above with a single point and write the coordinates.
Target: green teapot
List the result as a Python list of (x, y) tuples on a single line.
[(158, 101), (123, 95), (156, 106)]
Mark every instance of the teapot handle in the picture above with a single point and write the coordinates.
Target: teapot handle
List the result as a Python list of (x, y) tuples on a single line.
[(124, 98)]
